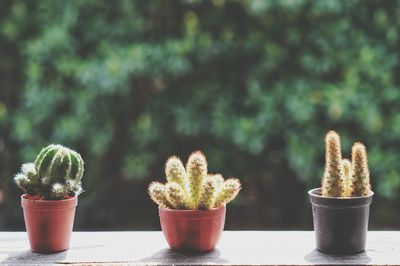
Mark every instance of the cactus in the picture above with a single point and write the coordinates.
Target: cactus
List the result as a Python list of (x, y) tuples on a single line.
[(343, 178), (175, 172), (228, 192), (348, 186), (196, 168), (360, 172), (219, 180), (56, 174), (208, 191), (158, 195), (192, 188), (176, 196), (332, 182)]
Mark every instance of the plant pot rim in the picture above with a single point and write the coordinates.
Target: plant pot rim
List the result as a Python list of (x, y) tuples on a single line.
[(338, 202), (33, 202), (187, 211), (316, 192), (191, 214)]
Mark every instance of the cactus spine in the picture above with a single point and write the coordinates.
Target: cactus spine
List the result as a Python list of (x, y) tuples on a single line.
[(360, 171), (56, 174), (332, 182), (192, 188), (343, 178)]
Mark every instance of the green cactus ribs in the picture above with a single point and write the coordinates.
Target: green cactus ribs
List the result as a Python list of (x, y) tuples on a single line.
[(192, 188), (56, 173)]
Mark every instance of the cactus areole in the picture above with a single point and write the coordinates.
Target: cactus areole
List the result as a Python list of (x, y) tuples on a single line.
[(192, 203), (341, 206), (51, 185)]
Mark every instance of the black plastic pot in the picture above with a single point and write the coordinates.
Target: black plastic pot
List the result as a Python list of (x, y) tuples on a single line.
[(340, 224)]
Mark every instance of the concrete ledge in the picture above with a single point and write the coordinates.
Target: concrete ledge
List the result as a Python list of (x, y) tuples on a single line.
[(235, 248)]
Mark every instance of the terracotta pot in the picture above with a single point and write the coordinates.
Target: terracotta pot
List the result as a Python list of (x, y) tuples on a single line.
[(49, 223), (192, 231), (340, 224)]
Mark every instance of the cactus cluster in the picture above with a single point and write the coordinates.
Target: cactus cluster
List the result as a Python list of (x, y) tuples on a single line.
[(342, 177), (55, 174), (192, 187)]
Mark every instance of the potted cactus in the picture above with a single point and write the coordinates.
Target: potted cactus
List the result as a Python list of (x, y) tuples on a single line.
[(51, 185), (341, 205), (192, 204)]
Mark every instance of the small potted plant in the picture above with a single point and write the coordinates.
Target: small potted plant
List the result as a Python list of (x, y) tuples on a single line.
[(51, 185), (192, 204), (341, 205)]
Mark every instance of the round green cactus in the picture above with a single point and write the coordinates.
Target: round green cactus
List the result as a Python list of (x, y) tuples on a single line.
[(56, 173)]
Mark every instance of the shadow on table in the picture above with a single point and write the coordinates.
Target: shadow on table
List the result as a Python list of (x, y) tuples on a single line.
[(317, 257), (30, 257), (168, 256)]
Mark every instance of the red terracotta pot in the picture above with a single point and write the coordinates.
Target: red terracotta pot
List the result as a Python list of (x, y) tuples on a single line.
[(192, 231), (49, 223)]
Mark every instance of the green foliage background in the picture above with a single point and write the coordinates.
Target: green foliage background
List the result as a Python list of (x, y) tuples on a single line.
[(254, 84)]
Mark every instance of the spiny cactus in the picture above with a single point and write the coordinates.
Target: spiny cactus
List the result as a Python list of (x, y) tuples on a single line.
[(348, 186), (360, 172), (192, 188), (158, 194), (343, 178), (196, 168), (175, 172), (228, 192), (207, 196), (219, 181), (332, 182), (56, 174), (176, 196)]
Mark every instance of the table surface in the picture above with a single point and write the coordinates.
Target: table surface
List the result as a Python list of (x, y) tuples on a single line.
[(234, 248)]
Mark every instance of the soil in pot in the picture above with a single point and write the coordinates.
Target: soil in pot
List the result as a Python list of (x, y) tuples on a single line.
[(48, 223), (192, 231), (340, 224)]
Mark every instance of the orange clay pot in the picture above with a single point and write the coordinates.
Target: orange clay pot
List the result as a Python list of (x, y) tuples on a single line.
[(192, 231), (49, 223)]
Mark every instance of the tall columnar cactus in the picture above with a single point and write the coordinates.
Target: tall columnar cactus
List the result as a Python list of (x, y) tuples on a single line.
[(332, 182), (192, 188), (360, 172), (348, 185), (56, 174), (343, 178), (196, 168)]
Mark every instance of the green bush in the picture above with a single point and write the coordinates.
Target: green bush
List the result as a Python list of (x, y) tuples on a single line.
[(254, 84)]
